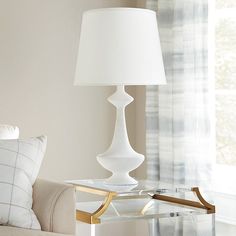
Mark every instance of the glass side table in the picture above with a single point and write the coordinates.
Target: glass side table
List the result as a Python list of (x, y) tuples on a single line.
[(147, 200)]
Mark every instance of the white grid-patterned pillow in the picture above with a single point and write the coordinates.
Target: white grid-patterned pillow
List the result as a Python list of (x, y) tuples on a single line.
[(20, 161)]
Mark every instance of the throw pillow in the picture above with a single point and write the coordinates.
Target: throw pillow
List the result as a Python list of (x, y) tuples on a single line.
[(9, 132), (20, 161)]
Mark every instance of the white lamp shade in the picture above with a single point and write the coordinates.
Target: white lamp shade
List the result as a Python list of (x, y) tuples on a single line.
[(119, 46)]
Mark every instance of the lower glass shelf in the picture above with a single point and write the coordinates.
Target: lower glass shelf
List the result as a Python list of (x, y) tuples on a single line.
[(133, 209)]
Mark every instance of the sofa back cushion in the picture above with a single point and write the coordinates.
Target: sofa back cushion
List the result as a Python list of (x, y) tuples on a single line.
[(9, 132), (20, 162)]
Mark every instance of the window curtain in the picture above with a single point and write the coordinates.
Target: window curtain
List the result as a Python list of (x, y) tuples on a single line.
[(179, 129), (179, 132)]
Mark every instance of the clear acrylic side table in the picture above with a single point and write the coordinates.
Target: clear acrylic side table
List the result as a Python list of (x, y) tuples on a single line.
[(147, 200)]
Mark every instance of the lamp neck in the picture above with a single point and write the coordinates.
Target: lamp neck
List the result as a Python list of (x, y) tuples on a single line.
[(120, 88), (120, 99)]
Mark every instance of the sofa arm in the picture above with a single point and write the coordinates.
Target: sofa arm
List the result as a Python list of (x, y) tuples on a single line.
[(54, 206)]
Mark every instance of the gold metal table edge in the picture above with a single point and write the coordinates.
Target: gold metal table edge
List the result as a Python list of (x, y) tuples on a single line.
[(97, 191), (203, 204), (93, 218), (210, 208)]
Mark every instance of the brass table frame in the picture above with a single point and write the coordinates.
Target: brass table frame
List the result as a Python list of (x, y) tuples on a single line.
[(93, 218)]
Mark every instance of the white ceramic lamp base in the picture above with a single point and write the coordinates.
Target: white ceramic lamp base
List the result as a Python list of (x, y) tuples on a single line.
[(120, 158)]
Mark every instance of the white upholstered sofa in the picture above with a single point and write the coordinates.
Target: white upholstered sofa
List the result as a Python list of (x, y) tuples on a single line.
[(53, 204)]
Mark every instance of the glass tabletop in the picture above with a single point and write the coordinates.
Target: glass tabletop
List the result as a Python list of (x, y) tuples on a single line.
[(143, 187)]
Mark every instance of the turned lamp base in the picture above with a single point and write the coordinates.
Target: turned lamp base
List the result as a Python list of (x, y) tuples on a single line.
[(120, 158)]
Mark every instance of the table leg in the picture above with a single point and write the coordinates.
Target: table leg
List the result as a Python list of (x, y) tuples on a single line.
[(153, 226), (213, 224), (93, 230)]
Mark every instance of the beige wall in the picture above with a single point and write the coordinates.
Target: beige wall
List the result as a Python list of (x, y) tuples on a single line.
[(141, 3), (140, 99), (38, 42)]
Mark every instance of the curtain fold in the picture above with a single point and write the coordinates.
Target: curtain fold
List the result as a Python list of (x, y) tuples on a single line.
[(179, 133)]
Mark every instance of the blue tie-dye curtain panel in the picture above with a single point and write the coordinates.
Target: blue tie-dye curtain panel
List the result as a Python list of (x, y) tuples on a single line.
[(179, 127)]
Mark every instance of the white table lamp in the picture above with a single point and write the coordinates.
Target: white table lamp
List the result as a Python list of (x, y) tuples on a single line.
[(119, 46)]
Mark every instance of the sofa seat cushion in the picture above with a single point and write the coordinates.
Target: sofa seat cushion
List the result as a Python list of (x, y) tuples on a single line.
[(14, 231)]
